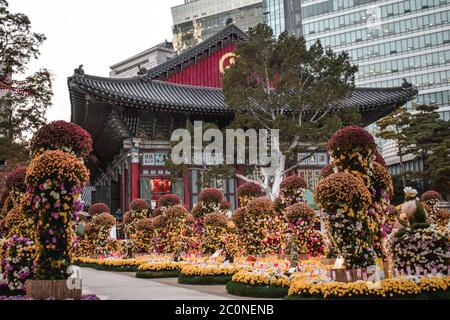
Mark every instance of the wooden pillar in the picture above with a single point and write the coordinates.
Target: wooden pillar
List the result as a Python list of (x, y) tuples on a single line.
[(187, 188), (135, 172)]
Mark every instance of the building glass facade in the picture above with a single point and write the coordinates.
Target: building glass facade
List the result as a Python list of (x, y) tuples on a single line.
[(283, 15), (389, 40), (195, 21)]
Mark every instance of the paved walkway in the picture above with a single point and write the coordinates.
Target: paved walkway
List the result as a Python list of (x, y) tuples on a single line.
[(124, 286)]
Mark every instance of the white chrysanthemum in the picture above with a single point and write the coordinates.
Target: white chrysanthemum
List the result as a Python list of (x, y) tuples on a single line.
[(410, 192), (409, 207)]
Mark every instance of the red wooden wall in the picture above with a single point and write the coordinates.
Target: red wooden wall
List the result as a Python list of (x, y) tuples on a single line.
[(205, 73)]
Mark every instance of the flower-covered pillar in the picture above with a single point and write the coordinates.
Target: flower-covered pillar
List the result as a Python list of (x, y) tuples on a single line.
[(55, 180)]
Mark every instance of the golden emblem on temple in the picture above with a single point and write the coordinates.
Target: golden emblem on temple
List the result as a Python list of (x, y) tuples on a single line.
[(226, 61)]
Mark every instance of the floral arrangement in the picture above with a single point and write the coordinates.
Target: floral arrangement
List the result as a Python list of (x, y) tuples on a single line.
[(261, 228), (292, 190), (84, 248), (238, 218), (145, 230), (261, 279), (249, 191), (302, 221), (17, 261), (139, 205), (442, 218), (175, 226), (431, 200), (382, 192), (346, 200), (98, 208), (168, 200), (353, 148), (55, 180), (211, 196), (15, 184), (157, 212), (215, 229), (18, 223), (100, 232), (110, 262), (390, 288), (62, 135), (326, 171), (161, 266), (138, 211), (193, 270), (379, 159), (422, 247)]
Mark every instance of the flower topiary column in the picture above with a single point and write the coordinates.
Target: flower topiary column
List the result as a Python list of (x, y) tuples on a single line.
[(55, 180)]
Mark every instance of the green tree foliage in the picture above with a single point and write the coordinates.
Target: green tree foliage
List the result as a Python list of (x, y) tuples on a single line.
[(391, 128), (282, 84), (21, 113), (428, 139)]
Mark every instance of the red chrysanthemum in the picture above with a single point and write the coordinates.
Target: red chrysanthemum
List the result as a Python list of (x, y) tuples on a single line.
[(16, 179), (327, 171), (98, 208), (250, 189), (211, 196), (169, 200), (292, 183), (350, 138), (430, 196), (59, 135), (139, 205)]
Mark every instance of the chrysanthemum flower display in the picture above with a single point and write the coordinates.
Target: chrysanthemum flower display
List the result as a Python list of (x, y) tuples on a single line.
[(215, 229), (383, 190), (353, 149), (98, 208), (302, 221), (18, 223), (257, 236), (326, 171), (420, 247), (100, 232), (431, 199), (249, 191), (168, 200), (391, 288), (346, 200), (175, 217), (62, 135), (145, 231), (442, 218), (292, 190), (138, 211), (17, 259), (15, 183), (55, 180), (160, 239)]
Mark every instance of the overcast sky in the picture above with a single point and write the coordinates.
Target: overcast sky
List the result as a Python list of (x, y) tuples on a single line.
[(96, 33)]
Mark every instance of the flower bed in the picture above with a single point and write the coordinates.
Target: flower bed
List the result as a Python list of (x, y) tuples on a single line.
[(207, 275), (421, 288), (259, 285), (117, 265), (168, 269)]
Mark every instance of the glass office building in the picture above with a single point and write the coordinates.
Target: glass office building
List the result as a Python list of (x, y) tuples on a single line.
[(283, 15), (388, 39), (196, 20)]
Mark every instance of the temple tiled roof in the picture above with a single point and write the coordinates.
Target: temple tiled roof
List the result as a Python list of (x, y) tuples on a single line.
[(155, 95), (169, 97), (230, 33)]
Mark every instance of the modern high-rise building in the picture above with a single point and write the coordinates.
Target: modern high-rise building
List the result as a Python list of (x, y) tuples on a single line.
[(283, 15), (147, 59), (196, 20), (389, 40)]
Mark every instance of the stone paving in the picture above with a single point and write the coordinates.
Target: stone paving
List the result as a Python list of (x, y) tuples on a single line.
[(124, 286)]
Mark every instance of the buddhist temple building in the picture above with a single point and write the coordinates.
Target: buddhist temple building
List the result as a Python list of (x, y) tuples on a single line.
[(131, 120)]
